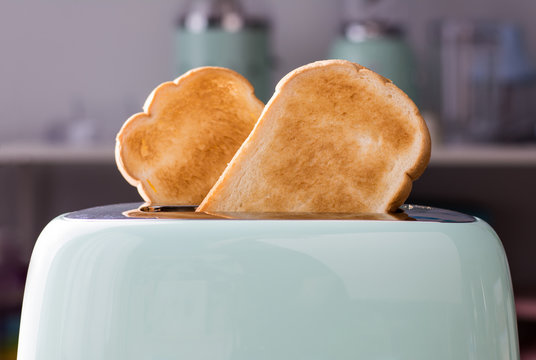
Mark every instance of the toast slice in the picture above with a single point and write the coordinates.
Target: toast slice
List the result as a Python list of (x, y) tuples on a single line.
[(335, 137), (176, 149)]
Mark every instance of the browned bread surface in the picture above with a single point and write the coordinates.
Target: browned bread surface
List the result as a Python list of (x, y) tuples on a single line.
[(335, 137), (176, 149)]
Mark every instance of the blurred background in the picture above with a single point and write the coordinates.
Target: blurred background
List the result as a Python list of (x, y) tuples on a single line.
[(72, 72)]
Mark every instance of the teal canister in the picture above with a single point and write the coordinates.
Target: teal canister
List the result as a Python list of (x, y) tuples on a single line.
[(218, 33), (380, 47), (108, 283)]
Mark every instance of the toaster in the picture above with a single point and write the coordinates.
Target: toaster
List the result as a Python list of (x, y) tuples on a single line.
[(129, 281)]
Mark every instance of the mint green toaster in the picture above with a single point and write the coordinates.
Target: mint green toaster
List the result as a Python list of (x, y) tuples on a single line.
[(114, 282)]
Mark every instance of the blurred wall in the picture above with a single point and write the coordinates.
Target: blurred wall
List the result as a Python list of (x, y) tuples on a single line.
[(100, 59)]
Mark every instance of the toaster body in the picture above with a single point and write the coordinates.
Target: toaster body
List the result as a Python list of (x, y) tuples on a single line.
[(102, 285)]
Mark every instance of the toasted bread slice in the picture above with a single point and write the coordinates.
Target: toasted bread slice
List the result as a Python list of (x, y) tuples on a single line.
[(176, 149), (335, 137)]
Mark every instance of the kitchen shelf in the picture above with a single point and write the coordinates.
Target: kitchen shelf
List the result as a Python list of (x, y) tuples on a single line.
[(37, 153), (485, 155), (460, 155)]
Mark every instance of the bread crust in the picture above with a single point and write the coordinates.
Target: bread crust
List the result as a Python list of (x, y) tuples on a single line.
[(175, 150), (335, 137)]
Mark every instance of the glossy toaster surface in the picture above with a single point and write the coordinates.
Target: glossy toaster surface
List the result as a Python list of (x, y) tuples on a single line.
[(106, 283)]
